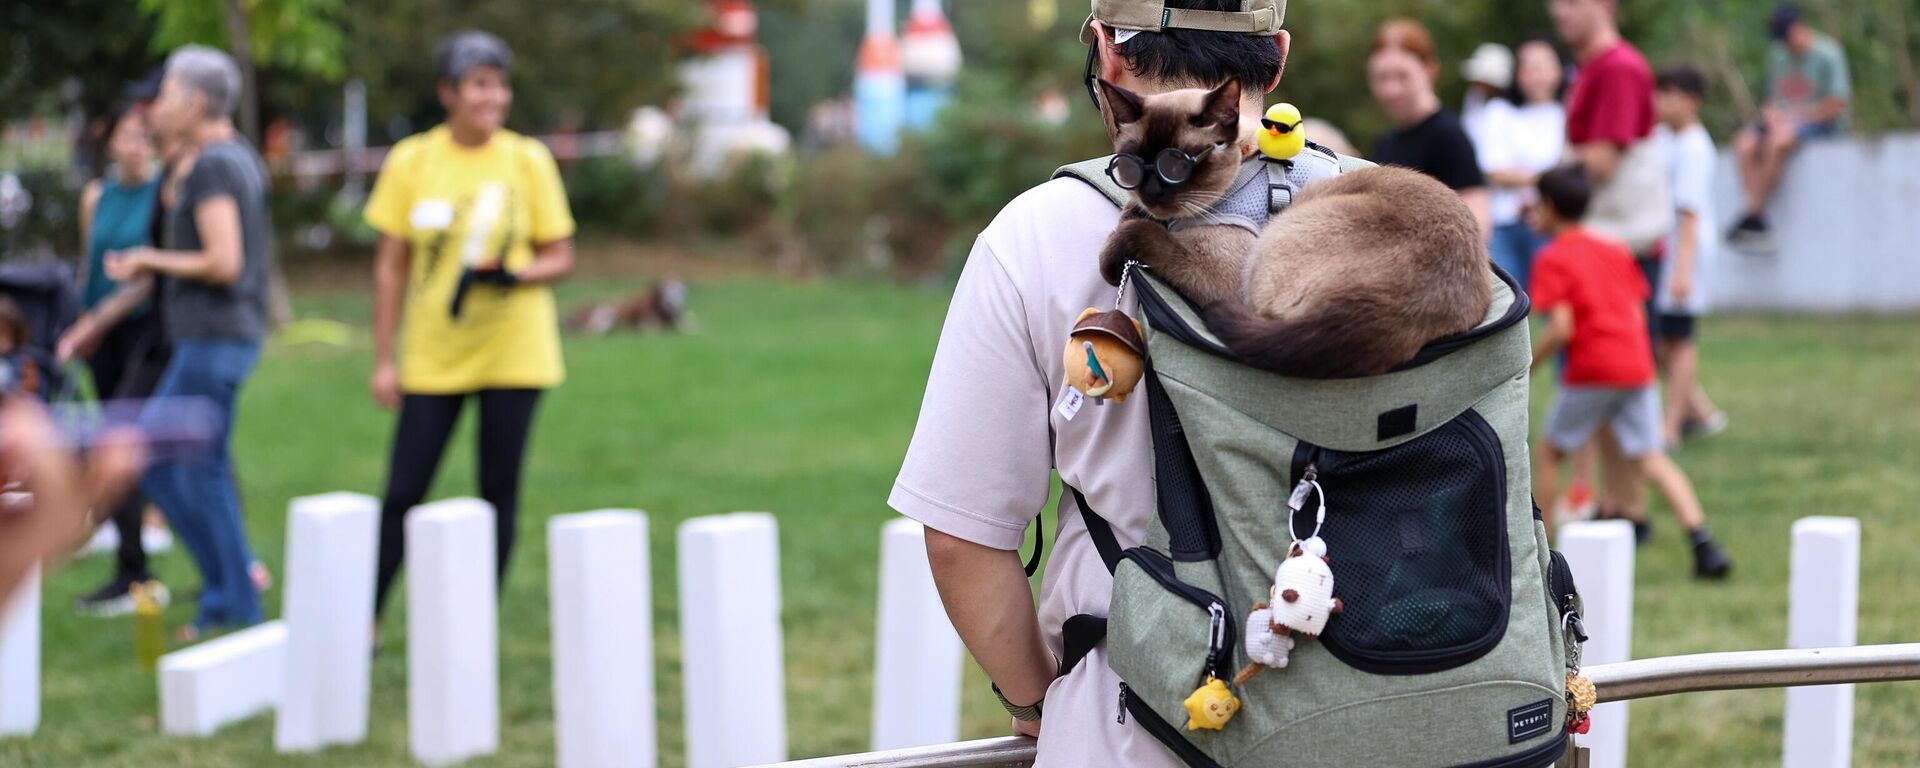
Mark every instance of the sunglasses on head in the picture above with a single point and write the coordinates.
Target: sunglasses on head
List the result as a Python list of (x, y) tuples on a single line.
[(1172, 165), (1275, 125)]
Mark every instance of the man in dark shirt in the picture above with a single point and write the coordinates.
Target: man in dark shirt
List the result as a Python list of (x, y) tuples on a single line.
[(212, 281)]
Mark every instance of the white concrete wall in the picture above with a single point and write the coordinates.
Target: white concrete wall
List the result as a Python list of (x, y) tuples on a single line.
[(1847, 222)]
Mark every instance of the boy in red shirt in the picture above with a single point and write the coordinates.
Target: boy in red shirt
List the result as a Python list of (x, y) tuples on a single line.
[(1593, 298)]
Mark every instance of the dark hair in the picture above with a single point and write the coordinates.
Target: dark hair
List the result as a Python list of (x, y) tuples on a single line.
[(1684, 78), (1782, 21), (1513, 94), (463, 51), (102, 154), (1203, 57), (1567, 190)]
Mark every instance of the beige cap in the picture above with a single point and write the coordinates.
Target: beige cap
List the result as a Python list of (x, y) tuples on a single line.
[(1255, 17)]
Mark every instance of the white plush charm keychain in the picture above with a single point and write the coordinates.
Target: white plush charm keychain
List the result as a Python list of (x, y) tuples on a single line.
[(1301, 599)]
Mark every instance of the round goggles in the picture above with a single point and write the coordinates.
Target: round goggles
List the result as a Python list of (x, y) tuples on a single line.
[(1172, 165)]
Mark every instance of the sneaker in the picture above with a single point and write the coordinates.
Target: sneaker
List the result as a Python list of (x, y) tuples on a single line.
[(156, 541), (1642, 532), (1700, 429), (115, 599), (105, 540), (1709, 560), (1751, 235)]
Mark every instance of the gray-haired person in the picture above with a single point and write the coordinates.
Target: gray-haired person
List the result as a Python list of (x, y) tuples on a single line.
[(210, 279)]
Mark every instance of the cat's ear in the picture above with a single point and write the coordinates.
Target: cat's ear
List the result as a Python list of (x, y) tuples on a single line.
[(1125, 106), (1223, 104)]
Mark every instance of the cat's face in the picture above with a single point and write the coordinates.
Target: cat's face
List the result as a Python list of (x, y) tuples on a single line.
[(1192, 121)]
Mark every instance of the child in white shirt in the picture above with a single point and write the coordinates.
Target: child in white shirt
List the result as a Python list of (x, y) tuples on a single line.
[(1682, 295)]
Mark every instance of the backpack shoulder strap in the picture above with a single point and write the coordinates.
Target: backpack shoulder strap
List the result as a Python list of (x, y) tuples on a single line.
[(1284, 179), (1094, 174)]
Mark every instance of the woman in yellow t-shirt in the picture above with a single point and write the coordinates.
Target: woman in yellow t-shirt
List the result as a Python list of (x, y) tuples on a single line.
[(473, 225)]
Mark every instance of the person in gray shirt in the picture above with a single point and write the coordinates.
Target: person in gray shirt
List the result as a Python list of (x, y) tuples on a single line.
[(211, 282)]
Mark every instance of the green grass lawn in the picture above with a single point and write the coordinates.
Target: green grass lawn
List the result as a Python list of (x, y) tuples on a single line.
[(799, 400)]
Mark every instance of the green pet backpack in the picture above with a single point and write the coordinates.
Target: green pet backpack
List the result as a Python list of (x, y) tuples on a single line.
[(1451, 645)]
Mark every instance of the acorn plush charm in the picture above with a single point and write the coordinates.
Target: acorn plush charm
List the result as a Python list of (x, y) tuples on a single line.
[(1282, 137), (1581, 697), (1105, 355), (1211, 706)]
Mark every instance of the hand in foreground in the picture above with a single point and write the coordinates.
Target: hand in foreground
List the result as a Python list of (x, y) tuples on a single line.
[(43, 510)]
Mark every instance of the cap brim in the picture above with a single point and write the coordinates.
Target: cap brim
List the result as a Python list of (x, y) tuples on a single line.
[(1086, 31)]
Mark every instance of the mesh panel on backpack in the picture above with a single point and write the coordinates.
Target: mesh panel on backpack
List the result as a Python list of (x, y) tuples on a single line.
[(1417, 538)]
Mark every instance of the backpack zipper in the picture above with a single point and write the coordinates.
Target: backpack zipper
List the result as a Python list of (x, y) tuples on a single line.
[(1220, 623)]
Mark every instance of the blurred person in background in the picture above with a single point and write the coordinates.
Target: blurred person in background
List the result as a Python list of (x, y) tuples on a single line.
[(1425, 136), (474, 227), (1809, 92), (1609, 128), (1682, 295), (1489, 77), (47, 489), (1517, 144), (211, 284), (117, 213)]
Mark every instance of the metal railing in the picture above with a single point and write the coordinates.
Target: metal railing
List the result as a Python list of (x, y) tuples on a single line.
[(1638, 679)]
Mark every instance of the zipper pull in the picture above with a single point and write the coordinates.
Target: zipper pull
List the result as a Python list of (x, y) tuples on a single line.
[(1120, 714)]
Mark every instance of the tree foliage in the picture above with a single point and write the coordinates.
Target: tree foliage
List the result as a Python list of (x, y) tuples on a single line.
[(295, 36)]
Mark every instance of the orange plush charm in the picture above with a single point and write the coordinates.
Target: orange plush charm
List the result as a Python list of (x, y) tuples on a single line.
[(1105, 355)]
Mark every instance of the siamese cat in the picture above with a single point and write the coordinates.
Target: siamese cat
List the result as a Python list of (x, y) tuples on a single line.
[(1351, 280)]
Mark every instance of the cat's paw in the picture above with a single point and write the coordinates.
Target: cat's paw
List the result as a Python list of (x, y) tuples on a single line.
[(1114, 257)]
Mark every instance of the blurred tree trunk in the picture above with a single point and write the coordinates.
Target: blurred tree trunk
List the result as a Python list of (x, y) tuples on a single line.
[(237, 36), (279, 295)]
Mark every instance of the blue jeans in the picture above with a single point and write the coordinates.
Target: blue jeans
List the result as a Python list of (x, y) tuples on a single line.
[(195, 490), (1513, 248)]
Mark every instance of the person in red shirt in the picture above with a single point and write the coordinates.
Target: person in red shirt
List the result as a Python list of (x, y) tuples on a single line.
[(1593, 298), (1610, 110)]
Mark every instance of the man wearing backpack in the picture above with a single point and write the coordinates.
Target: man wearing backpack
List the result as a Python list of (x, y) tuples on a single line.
[(997, 420)]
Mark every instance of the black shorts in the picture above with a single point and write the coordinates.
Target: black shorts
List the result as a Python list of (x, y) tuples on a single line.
[(1676, 327)]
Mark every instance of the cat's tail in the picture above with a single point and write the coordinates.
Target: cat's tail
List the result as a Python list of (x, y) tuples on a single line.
[(1355, 337)]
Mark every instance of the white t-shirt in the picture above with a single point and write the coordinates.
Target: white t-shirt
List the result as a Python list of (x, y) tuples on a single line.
[(1532, 138), (1690, 158), (991, 434)]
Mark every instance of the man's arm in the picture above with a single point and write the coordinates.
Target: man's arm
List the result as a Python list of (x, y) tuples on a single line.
[(218, 262), (1479, 200), (1686, 252), (84, 336), (986, 593), (1829, 109), (1553, 337), (1601, 159)]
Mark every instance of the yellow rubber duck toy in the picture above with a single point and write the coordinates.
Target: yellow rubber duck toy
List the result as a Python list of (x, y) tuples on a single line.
[(1281, 135)]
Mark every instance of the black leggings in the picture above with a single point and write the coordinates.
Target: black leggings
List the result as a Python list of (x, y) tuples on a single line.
[(127, 365), (426, 421)]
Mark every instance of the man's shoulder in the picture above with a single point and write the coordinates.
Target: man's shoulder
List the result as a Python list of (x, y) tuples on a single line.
[(1829, 47), (1624, 60), (1061, 207), (227, 164)]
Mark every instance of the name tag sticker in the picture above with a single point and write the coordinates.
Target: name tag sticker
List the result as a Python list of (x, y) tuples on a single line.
[(1070, 403), (432, 214)]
